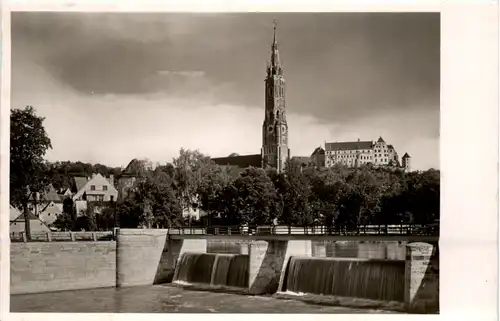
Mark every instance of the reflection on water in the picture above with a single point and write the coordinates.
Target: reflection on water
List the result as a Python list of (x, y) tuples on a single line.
[(163, 298)]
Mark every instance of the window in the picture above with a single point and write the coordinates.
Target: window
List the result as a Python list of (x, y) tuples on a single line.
[(92, 187), (105, 188), (111, 198)]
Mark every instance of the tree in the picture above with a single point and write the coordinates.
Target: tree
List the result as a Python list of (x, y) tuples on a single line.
[(28, 144), (64, 222), (211, 187), (189, 169), (252, 197), (156, 198)]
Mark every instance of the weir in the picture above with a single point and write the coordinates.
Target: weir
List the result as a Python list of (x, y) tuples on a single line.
[(360, 278), (387, 271), (229, 270)]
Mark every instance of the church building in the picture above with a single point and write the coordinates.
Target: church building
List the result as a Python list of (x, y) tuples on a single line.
[(275, 152)]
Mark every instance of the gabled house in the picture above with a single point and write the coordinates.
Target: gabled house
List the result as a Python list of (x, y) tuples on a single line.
[(128, 177), (43, 199), (94, 189), (64, 193), (36, 225), (14, 213), (50, 213)]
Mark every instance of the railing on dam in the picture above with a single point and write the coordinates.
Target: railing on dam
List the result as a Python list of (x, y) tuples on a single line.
[(359, 230), (63, 236)]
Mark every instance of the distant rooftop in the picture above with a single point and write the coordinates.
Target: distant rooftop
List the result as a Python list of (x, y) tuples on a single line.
[(348, 145), (241, 161)]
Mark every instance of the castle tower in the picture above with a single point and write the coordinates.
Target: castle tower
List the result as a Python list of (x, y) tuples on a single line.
[(275, 152), (406, 162)]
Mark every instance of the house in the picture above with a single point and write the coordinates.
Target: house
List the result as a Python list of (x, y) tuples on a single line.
[(50, 213), (38, 201), (14, 213), (128, 177), (94, 189), (36, 225), (64, 193)]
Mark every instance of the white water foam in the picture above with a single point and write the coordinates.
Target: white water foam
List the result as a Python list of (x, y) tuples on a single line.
[(180, 282), (292, 293)]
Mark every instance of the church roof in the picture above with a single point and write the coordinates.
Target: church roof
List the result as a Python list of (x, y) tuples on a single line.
[(348, 145), (319, 151), (242, 161)]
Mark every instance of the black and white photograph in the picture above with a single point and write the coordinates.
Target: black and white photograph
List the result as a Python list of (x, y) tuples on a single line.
[(225, 162)]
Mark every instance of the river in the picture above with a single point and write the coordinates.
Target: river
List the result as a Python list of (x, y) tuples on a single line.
[(164, 299)]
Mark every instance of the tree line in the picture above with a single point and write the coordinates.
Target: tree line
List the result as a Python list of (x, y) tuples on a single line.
[(338, 196), (164, 196)]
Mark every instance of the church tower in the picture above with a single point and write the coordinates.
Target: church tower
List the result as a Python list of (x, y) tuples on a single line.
[(275, 152)]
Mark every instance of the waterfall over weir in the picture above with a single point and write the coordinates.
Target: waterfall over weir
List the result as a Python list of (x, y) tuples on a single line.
[(214, 269), (361, 278)]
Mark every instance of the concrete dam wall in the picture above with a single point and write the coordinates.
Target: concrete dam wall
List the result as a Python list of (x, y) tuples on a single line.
[(387, 271)]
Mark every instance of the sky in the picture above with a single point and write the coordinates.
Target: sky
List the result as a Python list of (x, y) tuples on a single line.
[(118, 86)]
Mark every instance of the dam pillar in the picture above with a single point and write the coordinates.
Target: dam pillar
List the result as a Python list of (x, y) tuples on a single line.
[(422, 277), (139, 256), (268, 261)]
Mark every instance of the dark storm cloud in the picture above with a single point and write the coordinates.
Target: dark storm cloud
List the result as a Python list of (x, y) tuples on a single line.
[(337, 65)]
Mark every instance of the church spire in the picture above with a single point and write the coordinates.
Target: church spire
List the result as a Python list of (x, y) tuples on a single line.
[(275, 67)]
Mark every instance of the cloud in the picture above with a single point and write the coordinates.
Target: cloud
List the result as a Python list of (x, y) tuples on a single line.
[(118, 86)]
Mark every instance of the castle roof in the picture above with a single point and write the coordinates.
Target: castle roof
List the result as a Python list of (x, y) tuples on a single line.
[(241, 161), (406, 155), (380, 140), (348, 145)]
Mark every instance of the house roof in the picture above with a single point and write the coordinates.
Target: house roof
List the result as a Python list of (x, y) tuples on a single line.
[(49, 195), (242, 161), (406, 155), (31, 216), (80, 182), (348, 145), (134, 168), (319, 151), (14, 213)]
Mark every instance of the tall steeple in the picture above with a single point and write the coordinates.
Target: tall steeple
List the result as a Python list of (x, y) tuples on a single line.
[(275, 152), (274, 67)]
